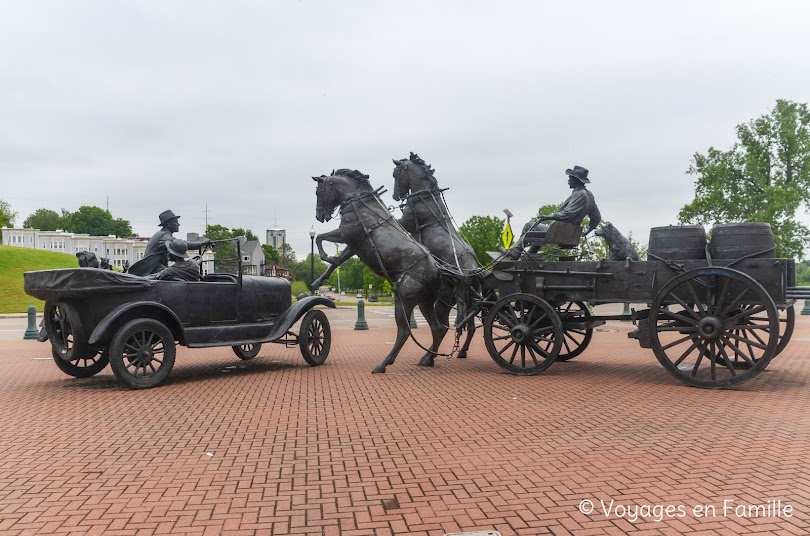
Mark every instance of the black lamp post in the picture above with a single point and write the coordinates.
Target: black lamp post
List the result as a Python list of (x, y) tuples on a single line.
[(312, 258)]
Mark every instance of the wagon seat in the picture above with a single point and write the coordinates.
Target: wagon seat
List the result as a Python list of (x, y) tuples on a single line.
[(561, 234)]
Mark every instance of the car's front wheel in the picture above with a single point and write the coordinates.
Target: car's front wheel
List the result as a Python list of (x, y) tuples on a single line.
[(247, 351), (142, 353), (315, 337)]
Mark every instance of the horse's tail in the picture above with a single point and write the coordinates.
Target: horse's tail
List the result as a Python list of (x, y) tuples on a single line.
[(466, 291)]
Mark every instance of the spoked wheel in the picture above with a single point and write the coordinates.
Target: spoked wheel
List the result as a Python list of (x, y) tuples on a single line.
[(315, 337), (82, 367), (575, 339), (787, 321), (247, 351), (142, 353), (702, 332), (66, 333), (523, 334)]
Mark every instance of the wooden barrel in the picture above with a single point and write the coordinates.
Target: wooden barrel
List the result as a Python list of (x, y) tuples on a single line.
[(735, 240), (678, 242)]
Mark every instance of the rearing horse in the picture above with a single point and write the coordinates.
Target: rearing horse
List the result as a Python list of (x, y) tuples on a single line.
[(371, 232), (426, 217)]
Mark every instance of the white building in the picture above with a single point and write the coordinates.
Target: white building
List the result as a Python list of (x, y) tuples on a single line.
[(117, 250)]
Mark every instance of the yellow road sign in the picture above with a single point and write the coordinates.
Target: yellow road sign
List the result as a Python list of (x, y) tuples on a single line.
[(507, 236)]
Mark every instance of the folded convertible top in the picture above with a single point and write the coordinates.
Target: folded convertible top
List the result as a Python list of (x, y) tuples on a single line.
[(67, 283)]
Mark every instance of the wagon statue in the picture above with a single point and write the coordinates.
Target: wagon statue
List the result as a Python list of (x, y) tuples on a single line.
[(716, 312), (97, 317)]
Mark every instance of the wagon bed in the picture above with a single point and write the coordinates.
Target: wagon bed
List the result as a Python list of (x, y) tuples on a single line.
[(711, 323)]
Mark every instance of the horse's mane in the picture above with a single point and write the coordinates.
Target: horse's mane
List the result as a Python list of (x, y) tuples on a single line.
[(361, 180), (426, 168)]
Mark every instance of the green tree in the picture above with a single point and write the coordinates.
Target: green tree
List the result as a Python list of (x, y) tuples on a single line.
[(94, 221), (374, 283), (803, 273), (247, 233), (121, 227), (44, 219), (224, 253), (271, 254), (763, 177), (7, 216), (301, 271), (288, 258), (217, 232), (483, 233), (351, 275)]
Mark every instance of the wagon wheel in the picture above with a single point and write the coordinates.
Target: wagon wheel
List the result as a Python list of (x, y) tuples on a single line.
[(247, 351), (142, 353), (786, 324), (315, 337), (575, 340), (66, 333), (708, 324), (787, 321), (82, 367), (523, 334)]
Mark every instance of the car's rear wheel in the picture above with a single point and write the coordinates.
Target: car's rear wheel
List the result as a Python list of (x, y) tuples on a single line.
[(82, 367), (315, 337), (142, 353), (247, 351), (65, 331)]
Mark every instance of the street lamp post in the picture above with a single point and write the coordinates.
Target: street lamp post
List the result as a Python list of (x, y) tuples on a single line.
[(312, 258)]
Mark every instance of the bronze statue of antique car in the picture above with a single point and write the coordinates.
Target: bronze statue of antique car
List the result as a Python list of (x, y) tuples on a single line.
[(94, 317)]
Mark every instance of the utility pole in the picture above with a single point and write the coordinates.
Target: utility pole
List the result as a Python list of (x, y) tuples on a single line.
[(206, 211)]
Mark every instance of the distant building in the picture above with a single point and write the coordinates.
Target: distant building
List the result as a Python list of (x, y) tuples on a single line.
[(252, 258), (117, 250), (274, 270), (276, 237)]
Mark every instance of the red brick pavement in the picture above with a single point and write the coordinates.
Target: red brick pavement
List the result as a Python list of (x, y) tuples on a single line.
[(273, 446)]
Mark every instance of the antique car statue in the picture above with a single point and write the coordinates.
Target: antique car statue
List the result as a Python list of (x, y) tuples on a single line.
[(94, 317)]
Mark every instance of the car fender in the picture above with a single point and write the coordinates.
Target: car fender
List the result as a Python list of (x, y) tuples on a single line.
[(101, 330), (289, 317)]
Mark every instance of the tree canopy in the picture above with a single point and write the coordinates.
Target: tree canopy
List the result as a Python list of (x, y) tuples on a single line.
[(271, 254), (763, 177), (7, 216), (95, 221), (44, 219), (483, 233), (225, 253)]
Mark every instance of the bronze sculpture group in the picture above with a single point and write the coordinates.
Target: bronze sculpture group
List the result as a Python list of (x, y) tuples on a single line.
[(422, 254)]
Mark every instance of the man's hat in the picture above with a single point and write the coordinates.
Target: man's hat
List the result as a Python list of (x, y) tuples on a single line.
[(165, 216), (178, 247), (579, 173)]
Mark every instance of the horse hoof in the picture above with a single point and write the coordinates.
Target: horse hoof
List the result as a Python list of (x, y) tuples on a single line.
[(428, 363), (378, 370), (462, 354)]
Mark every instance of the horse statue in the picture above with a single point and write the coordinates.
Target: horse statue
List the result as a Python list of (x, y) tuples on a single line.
[(370, 231), (426, 217)]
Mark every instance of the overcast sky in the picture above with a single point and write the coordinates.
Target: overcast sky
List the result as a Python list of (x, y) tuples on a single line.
[(236, 104)]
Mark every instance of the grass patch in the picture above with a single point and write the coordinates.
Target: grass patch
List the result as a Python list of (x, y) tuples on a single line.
[(13, 262)]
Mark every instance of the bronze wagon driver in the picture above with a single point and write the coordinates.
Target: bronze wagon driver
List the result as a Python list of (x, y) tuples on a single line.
[(579, 204)]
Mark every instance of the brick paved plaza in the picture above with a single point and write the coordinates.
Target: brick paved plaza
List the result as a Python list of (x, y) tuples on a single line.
[(273, 446)]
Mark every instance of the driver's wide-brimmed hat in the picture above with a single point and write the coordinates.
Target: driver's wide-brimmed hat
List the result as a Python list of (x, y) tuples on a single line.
[(579, 173), (167, 215), (178, 247)]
